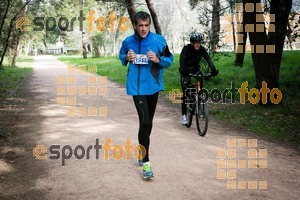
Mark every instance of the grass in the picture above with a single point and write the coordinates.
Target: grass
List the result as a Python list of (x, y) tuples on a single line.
[(10, 78), (10, 82), (109, 66), (280, 122)]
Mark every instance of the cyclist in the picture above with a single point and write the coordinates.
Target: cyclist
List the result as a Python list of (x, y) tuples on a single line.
[(190, 58)]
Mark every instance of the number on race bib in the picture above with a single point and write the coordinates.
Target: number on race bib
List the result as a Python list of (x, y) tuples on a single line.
[(141, 59)]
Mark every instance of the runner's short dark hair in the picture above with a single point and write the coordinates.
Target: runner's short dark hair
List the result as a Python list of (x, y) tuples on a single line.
[(141, 15)]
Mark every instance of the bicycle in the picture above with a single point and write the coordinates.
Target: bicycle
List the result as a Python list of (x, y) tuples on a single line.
[(196, 104)]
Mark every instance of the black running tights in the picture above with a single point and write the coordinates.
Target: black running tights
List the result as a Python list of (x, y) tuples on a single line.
[(145, 106)]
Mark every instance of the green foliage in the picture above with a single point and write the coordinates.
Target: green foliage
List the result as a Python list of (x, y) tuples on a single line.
[(10, 78), (14, 7)]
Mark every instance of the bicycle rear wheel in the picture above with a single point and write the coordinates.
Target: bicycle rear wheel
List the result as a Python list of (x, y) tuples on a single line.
[(201, 116), (189, 112)]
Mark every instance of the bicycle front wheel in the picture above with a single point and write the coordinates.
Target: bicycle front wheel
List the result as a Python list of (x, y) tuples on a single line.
[(201, 116)]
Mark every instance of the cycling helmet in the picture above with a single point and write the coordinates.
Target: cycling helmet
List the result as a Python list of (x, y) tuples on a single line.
[(196, 37)]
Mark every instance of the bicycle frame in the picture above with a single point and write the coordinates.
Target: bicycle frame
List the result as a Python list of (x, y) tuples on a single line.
[(197, 88), (199, 107), (196, 96)]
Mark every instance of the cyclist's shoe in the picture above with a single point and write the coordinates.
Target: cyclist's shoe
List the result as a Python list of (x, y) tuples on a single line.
[(183, 120), (140, 160), (147, 171)]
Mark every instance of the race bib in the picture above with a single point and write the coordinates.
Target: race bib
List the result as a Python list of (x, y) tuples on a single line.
[(141, 59)]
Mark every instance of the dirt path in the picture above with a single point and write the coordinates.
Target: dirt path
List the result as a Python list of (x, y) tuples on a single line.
[(185, 164)]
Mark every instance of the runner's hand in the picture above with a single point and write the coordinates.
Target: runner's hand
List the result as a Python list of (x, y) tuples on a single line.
[(151, 56), (130, 55)]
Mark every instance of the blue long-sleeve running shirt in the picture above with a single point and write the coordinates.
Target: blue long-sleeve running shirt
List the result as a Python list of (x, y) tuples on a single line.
[(145, 78)]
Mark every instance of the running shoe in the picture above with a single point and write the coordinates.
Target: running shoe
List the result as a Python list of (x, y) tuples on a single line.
[(147, 171), (140, 160), (183, 120)]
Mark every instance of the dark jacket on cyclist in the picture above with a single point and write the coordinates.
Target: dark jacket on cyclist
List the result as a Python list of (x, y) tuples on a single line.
[(190, 59)]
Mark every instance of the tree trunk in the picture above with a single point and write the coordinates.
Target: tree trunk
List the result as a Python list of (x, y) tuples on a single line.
[(20, 49), (281, 9), (131, 10), (27, 47), (232, 3), (241, 41), (97, 52), (18, 39), (13, 63), (173, 43), (96, 49), (257, 38), (4, 16), (9, 33), (84, 50), (7, 42), (114, 45), (117, 33), (267, 62), (215, 26), (104, 50), (44, 42), (154, 16)]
